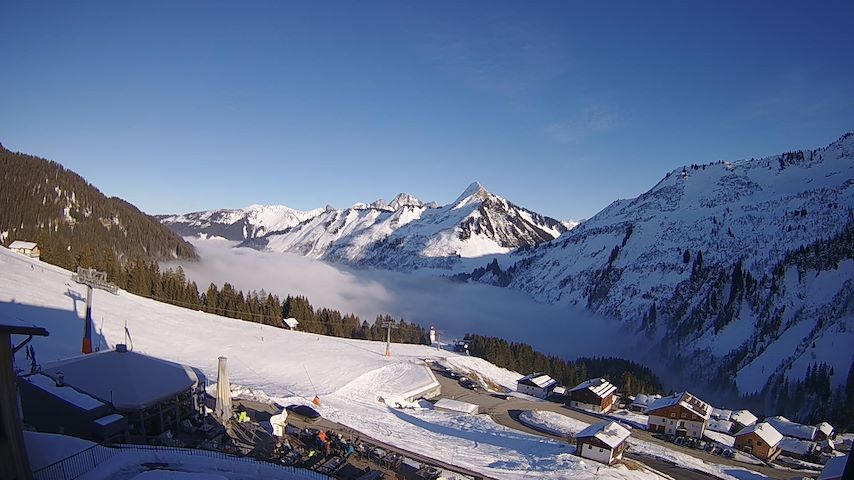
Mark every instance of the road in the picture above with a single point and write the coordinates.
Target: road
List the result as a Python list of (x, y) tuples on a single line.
[(506, 412)]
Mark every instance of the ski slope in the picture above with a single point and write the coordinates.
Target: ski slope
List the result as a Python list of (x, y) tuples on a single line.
[(353, 378)]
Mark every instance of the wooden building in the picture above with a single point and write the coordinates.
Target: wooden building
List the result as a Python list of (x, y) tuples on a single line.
[(681, 414), (596, 395), (761, 440), (604, 442), (30, 249), (537, 384)]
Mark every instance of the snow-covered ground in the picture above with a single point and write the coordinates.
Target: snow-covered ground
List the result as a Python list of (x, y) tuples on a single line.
[(350, 376), (562, 425)]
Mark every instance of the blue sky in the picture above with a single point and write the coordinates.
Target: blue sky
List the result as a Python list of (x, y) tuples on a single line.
[(561, 107)]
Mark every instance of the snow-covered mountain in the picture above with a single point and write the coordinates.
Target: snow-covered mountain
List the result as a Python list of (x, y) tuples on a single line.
[(407, 234), (747, 266), (237, 224), (403, 234)]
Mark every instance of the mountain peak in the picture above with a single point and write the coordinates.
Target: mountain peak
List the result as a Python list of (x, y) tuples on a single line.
[(405, 200), (475, 190)]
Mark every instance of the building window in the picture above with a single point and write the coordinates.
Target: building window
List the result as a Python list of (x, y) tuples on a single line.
[(759, 443), (683, 414), (600, 450), (589, 447), (672, 415)]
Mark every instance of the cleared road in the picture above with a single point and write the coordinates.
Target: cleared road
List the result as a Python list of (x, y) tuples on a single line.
[(506, 412)]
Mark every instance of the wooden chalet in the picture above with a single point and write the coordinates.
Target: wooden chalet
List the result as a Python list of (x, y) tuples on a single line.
[(30, 249), (761, 440), (597, 395), (604, 442), (537, 384), (681, 414)]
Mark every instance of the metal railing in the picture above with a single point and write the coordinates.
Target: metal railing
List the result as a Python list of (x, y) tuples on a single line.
[(87, 460), (76, 465)]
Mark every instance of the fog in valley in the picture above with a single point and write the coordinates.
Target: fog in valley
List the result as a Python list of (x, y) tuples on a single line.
[(454, 308)]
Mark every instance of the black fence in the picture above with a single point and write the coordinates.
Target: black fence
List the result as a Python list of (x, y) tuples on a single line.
[(78, 464), (86, 460)]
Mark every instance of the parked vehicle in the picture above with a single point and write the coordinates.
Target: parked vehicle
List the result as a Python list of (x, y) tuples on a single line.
[(304, 411)]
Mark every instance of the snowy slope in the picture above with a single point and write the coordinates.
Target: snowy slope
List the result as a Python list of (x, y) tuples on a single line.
[(406, 234), (350, 376), (706, 263), (237, 224)]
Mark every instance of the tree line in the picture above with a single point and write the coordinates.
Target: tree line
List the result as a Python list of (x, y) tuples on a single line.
[(43, 202), (630, 377)]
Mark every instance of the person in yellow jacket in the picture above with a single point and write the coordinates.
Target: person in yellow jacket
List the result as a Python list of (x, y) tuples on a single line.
[(242, 417)]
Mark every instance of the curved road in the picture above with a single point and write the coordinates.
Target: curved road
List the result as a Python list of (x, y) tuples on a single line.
[(506, 412)]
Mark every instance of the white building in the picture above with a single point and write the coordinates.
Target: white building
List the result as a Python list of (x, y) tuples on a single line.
[(603, 442), (536, 384), (641, 402)]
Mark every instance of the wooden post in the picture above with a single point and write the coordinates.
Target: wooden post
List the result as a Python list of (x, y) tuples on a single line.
[(13, 451)]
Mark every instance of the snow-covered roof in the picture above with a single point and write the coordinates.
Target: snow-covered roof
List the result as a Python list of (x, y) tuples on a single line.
[(291, 322), (128, 380), (599, 386), (791, 429), (611, 433), (108, 419), (721, 414), (643, 400), (719, 437), (765, 431), (456, 405), (743, 417), (834, 468), (23, 244), (724, 426), (538, 379), (559, 391), (686, 400), (793, 445), (65, 392), (825, 428)]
